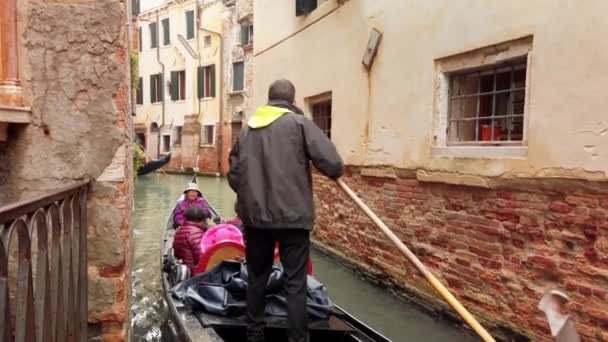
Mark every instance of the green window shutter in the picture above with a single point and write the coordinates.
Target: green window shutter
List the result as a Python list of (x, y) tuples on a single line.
[(189, 24), (200, 82), (153, 36), (244, 34), (174, 86), (162, 93), (212, 80), (166, 32), (140, 91), (152, 88)]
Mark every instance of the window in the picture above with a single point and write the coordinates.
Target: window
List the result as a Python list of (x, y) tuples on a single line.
[(238, 76), (177, 135), (207, 42), (139, 98), (235, 127), (140, 42), (166, 143), (304, 7), (206, 81), (156, 88), (321, 116), (246, 34), (208, 135), (166, 32), (189, 24), (153, 35), (487, 105), (178, 85)]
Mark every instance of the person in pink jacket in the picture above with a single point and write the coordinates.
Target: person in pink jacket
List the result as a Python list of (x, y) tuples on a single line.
[(192, 197), (187, 241)]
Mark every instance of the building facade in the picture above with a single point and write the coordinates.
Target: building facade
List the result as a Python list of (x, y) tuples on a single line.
[(183, 97), (475, 131), (65, 119)]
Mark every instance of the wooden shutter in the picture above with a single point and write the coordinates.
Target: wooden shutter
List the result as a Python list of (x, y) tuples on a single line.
[(166, 32), (174, 87), (200, 82), (189, 24), (152, 88), (140, 91), (153, 35), (212, 80), (304, 7), (140, 40), (162, 86)]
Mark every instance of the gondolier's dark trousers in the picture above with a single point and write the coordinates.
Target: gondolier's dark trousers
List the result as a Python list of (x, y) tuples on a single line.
[(294, 247)]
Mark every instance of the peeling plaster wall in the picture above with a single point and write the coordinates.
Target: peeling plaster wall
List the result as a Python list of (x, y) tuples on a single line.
[(75, 67), (387, 117)]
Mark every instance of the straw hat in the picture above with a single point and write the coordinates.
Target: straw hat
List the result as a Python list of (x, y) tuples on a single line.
[(193, 186)]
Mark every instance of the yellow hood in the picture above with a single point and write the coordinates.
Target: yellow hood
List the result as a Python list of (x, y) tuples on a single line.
[(266, 115)]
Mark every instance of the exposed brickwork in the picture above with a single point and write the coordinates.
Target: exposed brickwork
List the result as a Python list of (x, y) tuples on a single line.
[(497, 250)]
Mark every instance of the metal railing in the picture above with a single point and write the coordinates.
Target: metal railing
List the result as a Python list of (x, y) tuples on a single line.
[(43, 267)]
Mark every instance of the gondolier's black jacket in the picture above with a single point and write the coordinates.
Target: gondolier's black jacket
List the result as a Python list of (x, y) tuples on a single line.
[(270, 170)]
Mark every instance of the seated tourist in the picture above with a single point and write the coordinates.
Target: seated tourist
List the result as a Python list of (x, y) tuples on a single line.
[(187, 241), (192, 197)]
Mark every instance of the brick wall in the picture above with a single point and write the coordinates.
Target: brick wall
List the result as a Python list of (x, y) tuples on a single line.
[(498, 250)]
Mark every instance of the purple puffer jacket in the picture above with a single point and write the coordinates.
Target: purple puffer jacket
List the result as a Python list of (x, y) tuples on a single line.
[(187, 243), (185, 204)]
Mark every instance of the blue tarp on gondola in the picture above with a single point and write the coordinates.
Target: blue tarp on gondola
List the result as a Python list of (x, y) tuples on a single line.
[(222, 291)]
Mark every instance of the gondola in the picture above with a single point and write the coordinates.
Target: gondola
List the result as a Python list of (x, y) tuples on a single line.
[(199, 325), (154, 165)]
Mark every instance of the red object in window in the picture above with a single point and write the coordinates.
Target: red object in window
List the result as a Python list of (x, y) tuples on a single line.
[(486, 133)]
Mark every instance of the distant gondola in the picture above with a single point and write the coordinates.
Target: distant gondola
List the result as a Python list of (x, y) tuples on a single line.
[(199, 325), (154, 165)]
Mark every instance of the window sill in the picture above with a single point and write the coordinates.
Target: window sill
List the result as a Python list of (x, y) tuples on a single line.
[(18, 115), (157, 103), (490, 152), (178, 101), (247, 47), (207, 146), (236, 92), (206, 99)]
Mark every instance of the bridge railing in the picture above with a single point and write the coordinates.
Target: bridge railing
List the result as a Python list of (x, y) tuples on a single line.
[(43, 267)]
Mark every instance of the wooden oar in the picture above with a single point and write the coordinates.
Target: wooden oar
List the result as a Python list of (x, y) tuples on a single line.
[(443, 291)]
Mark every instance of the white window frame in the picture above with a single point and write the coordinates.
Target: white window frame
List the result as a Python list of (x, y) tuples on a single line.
[(479, 58), (204, 134)]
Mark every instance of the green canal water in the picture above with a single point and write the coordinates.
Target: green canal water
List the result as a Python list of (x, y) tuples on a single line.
[(155, 196)]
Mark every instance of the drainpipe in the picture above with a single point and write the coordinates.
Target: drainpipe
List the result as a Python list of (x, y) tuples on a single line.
[(220, 98), (162, 65)]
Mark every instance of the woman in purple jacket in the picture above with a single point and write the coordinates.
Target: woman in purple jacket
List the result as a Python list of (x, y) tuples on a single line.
[(192, 197)]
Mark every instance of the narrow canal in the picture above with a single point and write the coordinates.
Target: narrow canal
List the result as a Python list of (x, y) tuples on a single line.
[(155, 196)]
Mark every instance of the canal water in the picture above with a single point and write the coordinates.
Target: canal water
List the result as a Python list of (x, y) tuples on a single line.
[(155, 196)]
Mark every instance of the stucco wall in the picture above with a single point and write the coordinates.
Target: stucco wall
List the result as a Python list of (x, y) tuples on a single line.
[(386, 116), (74, 65)]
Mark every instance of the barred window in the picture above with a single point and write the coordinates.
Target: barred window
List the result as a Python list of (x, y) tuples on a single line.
[(486, 105), (208, 134)]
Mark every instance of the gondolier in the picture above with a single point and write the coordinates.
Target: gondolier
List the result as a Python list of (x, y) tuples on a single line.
[(270, 172)]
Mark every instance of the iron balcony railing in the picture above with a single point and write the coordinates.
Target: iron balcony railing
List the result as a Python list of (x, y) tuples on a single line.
[(43, 267)]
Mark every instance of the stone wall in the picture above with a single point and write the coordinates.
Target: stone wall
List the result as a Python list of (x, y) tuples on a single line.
[(75, 69), (497, 249)]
